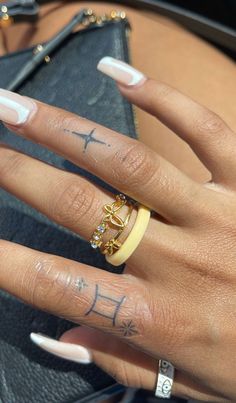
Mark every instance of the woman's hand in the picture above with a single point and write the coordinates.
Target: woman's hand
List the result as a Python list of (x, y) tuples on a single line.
[(176, 299)]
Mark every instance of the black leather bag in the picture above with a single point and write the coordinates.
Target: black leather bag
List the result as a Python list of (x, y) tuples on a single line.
[(70, 81)]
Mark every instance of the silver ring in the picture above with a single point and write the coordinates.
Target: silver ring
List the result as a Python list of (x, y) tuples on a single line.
[(165, 379)]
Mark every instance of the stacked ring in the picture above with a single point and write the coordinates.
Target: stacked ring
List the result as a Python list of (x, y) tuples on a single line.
[(114, 244), (133, 239), (113, 221), (115, 252)]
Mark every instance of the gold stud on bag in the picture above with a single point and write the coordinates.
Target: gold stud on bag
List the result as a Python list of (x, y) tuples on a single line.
[(41, 53), (5, 19)]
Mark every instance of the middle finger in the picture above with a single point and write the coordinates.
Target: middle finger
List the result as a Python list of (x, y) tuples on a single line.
[(124, 163)]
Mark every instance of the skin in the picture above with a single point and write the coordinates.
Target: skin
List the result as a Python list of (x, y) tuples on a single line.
[(176, 57), (179, 304), (190, 243)]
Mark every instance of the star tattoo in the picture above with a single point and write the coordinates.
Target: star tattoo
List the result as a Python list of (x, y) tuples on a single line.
[(88, 138), (81, 284), (128, 328)]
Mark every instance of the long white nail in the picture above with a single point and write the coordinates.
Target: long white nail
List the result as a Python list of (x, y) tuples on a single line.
[(69, 351), (14, 108), (120, 71)]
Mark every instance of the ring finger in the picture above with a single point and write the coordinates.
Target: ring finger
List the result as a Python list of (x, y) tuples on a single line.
[(67, 198)]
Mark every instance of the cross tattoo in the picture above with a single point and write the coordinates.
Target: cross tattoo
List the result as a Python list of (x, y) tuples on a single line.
[(88, 138), (114, 307)]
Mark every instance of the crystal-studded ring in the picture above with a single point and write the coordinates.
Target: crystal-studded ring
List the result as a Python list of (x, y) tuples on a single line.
[(113, 221), (114, 243)]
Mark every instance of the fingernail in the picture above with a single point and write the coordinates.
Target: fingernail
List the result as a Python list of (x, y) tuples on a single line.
[(120, 71), (14, 108), (69, 351)]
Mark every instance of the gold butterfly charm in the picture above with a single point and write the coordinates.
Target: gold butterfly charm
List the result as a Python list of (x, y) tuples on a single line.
[(111, 210), (111, 246), (111, 217)]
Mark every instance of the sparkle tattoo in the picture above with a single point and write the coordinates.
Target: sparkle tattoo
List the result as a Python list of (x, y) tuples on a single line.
[(81, 284), (128, 328), (98, 308), (88, 138)]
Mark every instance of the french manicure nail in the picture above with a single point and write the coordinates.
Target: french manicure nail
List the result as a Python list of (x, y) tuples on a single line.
[(69, 351), (120, 71), (15, 109)]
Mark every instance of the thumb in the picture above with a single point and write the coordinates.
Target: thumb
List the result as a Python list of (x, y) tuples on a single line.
[(125, 364)]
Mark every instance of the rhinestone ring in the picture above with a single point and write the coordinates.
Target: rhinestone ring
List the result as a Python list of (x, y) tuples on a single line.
[(111, 220)]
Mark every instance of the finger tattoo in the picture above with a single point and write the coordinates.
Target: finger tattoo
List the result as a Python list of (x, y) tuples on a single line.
[(128, 328), (115, 306), (81, 284), (88, 138), (108, 307)]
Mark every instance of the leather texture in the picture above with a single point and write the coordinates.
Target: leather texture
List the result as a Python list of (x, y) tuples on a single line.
[(71, 81)]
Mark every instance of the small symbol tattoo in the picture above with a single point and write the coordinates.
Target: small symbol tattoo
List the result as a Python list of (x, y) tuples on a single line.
[(88, 138), (128, 328), (81, 284), (115, 306)]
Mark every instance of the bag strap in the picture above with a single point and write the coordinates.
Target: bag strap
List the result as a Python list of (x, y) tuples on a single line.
[(209, 29)]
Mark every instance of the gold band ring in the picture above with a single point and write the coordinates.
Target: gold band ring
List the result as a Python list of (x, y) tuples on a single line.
[(111, 220), (133, 239)]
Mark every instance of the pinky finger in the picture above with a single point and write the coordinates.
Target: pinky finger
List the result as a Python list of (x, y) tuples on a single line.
[(127, 366)]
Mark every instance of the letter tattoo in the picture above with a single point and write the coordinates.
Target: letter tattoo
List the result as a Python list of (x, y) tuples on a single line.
[(115, 306)]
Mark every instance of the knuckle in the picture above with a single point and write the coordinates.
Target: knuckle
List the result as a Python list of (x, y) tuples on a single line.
[(5, 248), (40, 281), (135, 165), (136, 313), (211, 123), (171, 325), (164, 93), (11, 162), (120, 373), (47, 284), (75, 201)]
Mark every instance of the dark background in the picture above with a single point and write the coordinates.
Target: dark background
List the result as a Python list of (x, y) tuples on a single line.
[(223, 11)]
